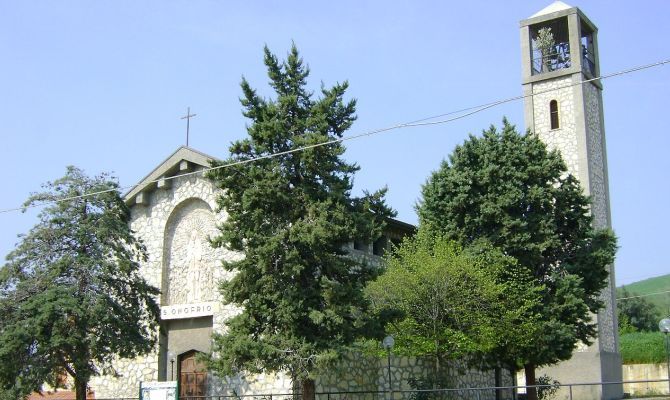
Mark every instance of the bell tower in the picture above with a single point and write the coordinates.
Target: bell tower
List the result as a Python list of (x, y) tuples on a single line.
[(559, 51)]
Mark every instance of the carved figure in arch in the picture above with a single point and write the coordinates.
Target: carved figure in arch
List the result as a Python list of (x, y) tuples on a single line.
[(188, 258), (195, 267)]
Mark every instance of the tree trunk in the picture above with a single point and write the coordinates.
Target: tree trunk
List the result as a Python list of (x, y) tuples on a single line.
[(308, 390), (529, 369), (80, 387), (436, 372), (498, 382)]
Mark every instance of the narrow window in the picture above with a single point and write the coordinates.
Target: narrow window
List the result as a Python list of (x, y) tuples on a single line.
[(359, 245), (379, 246), (553, 113)]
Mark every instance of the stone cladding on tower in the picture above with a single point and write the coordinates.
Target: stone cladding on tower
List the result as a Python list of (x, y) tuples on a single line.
[(584, 155), (563, 106)]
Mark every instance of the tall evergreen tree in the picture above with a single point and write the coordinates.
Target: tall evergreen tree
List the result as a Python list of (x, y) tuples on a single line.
[(292, 216), (509, 189), (71, 296)]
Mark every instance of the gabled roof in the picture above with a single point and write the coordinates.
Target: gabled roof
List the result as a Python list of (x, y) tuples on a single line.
[(171, 166), (174, 165), (552, 8)]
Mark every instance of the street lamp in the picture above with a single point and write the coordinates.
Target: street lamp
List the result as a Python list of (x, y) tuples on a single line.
[(664, 326), (388, 343), (170, 356)]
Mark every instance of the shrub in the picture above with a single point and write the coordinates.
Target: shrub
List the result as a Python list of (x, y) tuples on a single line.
[(642, 348)]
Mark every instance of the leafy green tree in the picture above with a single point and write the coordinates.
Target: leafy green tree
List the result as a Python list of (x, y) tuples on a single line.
[(71, 295), (636, 313), (509, 189), (452, 303), (292, 216)]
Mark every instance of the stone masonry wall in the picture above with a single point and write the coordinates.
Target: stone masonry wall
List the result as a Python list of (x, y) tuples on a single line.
[(566, 140), (563, 139), (358, 373), (607, 326)]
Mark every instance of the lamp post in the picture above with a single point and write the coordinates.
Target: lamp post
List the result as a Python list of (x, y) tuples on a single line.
[(388, 343), (664, 326), (170, 356)]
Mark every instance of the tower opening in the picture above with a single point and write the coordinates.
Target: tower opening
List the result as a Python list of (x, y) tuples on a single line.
[(588, 50), (550, 46), (553, 114)]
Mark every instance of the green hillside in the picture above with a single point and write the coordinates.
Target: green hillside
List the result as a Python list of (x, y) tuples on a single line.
[(652, 285)]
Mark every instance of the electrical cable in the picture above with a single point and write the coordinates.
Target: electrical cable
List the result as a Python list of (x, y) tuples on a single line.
[(643, 295), (416, 123)]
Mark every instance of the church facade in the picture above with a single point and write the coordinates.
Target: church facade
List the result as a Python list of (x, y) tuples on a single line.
[(173, 212)]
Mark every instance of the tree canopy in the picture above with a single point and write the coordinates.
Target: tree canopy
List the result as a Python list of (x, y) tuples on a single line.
[(291, 213), (508, 189), (636, 314), (71, 295), (453, 304)]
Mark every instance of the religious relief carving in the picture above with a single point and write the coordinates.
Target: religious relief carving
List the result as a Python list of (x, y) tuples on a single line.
[(190, 258), (194, 267)]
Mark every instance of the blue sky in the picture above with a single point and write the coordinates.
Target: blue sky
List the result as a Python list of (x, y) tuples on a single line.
[(102, 85)]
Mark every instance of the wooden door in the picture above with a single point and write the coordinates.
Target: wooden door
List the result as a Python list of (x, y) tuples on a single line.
[(192, 377)]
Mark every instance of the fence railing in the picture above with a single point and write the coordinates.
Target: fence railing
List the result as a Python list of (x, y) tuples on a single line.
[(568, 391)]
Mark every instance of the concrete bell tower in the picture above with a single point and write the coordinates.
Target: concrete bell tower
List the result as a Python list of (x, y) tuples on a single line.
[(559, 50)]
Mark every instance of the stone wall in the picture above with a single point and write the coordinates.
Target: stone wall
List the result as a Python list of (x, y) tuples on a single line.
[(357, 373), (641, 372), (564, 139), (600, 208)]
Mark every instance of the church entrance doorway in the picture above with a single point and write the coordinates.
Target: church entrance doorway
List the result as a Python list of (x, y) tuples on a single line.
[(192, 377)]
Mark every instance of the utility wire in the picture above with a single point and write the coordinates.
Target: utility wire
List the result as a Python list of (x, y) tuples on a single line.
[(637, 278), (643, 295), (464, 112)]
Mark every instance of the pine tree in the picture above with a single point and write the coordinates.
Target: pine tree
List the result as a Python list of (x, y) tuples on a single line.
[(71, 296), (292, 216)]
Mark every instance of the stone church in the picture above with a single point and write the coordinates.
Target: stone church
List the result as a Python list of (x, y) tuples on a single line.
[(173, 213)]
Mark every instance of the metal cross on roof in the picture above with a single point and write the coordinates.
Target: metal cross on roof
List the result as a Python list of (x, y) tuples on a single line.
[(188, 117)]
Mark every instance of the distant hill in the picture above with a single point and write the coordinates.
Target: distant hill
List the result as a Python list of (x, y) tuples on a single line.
[(652, 285)]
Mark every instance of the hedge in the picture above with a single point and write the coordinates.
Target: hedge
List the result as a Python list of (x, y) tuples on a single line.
[(643, 348)]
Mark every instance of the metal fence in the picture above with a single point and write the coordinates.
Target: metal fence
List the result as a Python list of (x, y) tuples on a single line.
[(566, 391)]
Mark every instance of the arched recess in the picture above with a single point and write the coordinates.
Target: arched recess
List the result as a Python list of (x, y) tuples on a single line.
[(188, 258), (192, 376)]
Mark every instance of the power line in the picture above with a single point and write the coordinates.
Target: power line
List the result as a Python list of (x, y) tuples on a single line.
[(643, 295), (637, 278), (464, 112)]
